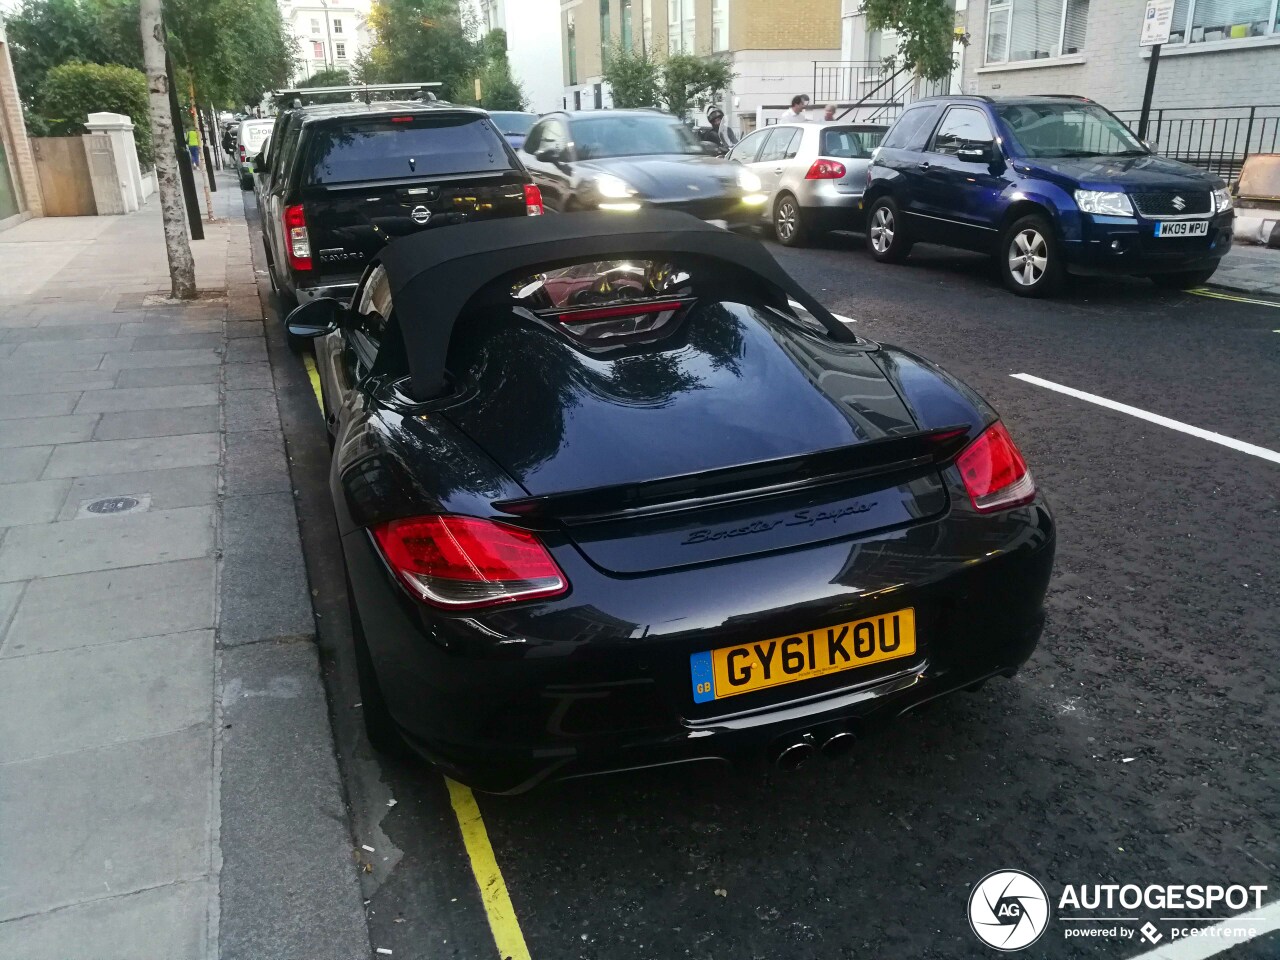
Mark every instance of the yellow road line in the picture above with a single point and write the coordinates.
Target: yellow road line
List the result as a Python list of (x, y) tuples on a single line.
[(314, 375), (493, 889), (484, 866), (1202, 292)]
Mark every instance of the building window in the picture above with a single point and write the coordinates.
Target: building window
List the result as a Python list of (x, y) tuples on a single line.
[(571, 44), (673, 26), (317, 50), (1212, 20), (1019, 30), (606, 29), (646, 24), (337, 26), (315, 24), (626, 25), (719, 24), (687, 26), (340, 51), (681, 23)]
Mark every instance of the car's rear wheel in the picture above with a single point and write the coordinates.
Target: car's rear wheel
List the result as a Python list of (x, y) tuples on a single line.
[(887, 239), (1029, 260), (788, 226), (384, 735), (1183, 280)]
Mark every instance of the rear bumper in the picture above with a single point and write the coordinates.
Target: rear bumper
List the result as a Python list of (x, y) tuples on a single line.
[(1122, 245), (601, 683)]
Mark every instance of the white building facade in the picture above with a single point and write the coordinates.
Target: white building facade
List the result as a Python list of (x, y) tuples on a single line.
[(533, 45), (331, 34)]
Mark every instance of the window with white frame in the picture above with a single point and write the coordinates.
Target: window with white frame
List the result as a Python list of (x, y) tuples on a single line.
[(719, 24), (1204, 21), (681, 23), (317, 50), (673, 26), (340, 51), (646, 24), (1021, 30), (315, 24), (337, 26), (687, 26)]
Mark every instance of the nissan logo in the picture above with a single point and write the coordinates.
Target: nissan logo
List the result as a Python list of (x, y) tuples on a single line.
[(420, 214)]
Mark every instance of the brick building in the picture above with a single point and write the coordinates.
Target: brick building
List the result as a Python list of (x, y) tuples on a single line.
[(19, 186), (771, 45)]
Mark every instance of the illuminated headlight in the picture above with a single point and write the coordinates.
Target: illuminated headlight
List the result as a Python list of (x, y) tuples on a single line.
[(1104, 203), (1222, 199), (613, 188), (754, 199), (749, 182)]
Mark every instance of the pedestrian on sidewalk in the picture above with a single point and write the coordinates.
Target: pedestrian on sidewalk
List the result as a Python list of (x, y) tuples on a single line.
[(799, 104), (193, 144)]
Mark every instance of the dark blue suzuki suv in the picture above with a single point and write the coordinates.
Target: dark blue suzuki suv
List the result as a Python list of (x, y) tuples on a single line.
[(1046, 185)]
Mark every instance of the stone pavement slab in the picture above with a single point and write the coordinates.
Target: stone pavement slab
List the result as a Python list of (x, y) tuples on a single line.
[(36, 404), (114, 362), (33, 382), (175, 487), (36, 431), (126, 456), (168, 376), (1249, 269), (35, 502), (148, 398), (167, 422), (23, 463), (158, 600), (264, 583)]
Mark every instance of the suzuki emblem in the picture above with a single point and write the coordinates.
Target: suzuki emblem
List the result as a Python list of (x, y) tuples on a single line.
[(420, 214), (1179, 204)]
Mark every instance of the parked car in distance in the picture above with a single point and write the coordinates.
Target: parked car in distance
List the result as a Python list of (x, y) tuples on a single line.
[(621, 493), (514, 125), (813, 175), (251, 135), (348, 178), (627, 160), (1048, 186)]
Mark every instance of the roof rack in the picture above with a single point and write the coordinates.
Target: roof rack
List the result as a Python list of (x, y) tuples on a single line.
[(365, 89)]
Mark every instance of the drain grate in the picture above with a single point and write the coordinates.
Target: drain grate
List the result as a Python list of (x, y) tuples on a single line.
[(114, 506)]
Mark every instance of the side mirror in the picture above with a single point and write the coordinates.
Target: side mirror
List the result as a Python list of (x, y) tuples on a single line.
[(260, 162), (549, 155), (316, 318), (977, 153), (1151, 145)]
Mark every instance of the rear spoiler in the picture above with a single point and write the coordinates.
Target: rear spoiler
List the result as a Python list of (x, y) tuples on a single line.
[(764, 478)]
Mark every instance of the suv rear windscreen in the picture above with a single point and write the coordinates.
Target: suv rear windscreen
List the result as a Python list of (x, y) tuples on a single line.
[(407, 146)]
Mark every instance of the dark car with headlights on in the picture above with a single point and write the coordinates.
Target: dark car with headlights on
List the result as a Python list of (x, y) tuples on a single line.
[(616, 492), (1049, 186), (627, 160)]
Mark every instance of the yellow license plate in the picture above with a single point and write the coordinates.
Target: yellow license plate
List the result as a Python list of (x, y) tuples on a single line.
[(729, 671)]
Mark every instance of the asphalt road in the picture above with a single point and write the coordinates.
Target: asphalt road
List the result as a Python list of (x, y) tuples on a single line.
[(1138, 745)]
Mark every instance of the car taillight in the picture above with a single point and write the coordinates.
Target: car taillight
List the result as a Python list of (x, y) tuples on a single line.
[(628, 310), (242, 153), (532, 200), (296, 243), (826, 170), (994, 473), (460, 563)]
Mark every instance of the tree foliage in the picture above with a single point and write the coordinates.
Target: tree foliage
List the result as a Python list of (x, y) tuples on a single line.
[(925, 29), (72, 91), (45, 33), (499, 90), (329, 77), (677, 84), (423, 41)]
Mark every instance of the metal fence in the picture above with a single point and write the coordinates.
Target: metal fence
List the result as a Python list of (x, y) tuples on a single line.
[(1218, 140), (881, 92)]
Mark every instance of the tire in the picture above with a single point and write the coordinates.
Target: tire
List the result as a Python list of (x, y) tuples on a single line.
[(384, 736), (1183, 280), (1029, 259), (788, 226), (887, 240)]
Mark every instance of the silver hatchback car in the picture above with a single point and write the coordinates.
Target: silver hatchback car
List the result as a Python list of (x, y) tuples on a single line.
[(813, 173)]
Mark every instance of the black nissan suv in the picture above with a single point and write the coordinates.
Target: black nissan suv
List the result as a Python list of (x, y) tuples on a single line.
[(346, 179)]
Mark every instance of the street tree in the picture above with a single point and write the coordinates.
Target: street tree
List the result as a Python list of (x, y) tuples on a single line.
[(72, 91), (182, 270), (329, 77), (925, 31), (634, 76), (45, 33), (423, 40), (691, 81), (499, 90)]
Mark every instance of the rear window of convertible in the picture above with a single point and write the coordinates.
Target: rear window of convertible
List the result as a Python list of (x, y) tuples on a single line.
[(408, 146)]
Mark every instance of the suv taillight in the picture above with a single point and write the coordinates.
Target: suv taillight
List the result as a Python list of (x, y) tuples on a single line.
[(532, 200), (460, 563), (994, 473), (826, 170), (296, 243), (242, 153)]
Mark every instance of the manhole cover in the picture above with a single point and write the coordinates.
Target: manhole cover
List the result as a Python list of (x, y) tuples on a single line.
[(113, 505)]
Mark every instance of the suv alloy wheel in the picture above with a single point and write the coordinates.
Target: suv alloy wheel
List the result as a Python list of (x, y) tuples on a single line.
[(1029, 260), (886, 237)]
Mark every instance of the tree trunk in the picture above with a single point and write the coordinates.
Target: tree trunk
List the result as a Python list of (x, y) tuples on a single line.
[(182, 268)]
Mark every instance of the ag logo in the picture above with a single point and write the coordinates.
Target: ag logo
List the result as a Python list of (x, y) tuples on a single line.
[(420, 214), (1008, 910)]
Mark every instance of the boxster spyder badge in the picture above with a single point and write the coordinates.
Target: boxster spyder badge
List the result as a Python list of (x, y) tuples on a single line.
[(420, 214)]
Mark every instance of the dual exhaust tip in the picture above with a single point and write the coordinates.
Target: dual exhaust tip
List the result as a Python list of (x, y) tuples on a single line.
[(795, 755)]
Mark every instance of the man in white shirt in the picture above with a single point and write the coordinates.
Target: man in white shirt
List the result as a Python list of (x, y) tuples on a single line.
[(799, 104)]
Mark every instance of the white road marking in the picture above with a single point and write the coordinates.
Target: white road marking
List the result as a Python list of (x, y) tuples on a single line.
[(797, 306), (1261, 922), (1209, 435)]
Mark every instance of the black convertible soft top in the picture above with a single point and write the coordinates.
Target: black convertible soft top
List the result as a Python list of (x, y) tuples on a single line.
[(435, 273)]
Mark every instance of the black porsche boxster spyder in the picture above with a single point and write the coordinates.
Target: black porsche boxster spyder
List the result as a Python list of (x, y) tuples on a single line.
[(618, 492)]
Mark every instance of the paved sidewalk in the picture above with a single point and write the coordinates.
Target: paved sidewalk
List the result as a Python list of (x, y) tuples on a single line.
[(168, 787), (1249, 269)]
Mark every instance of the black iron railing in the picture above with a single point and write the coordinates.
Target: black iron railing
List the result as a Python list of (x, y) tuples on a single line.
[(1217, 139), (878, 89)]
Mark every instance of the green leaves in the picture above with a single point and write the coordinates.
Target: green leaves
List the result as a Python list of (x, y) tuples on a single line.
[(925, 29), (634, 76), (72, 91), (423, 41), (678, 83)]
